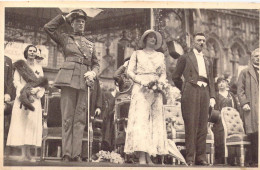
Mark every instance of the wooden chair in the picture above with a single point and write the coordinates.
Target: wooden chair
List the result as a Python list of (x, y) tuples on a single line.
[(174, 113), (52, 127), (120, 121), (234, 134)]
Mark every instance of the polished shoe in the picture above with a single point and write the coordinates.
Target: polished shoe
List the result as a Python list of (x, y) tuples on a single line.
[(77, 159), (66, 158), (254, 165), (202, 163), (190, 163)]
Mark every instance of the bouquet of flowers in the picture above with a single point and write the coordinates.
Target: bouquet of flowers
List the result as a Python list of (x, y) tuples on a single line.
[(106, 156), (116, 158), (157, 86)]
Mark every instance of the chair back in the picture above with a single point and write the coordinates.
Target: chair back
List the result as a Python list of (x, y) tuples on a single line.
[(52, 109), (231, 121), (174, 113)]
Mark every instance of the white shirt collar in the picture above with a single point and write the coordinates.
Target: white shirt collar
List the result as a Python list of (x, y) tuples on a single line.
[(197, 53)]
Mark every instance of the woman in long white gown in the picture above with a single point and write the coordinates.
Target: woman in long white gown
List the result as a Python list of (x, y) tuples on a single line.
[(26, 125), (146, 131)]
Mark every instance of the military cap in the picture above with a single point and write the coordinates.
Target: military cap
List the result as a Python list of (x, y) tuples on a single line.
[(79, 14)]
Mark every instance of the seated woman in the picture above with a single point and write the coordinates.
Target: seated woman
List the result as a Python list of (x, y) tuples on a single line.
[(224, 98), (121, 78)]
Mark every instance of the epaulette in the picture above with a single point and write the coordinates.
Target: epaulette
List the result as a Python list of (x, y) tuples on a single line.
[(90, 39)]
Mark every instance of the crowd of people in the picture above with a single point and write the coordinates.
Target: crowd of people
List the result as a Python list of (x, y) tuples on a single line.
[(143, 76)]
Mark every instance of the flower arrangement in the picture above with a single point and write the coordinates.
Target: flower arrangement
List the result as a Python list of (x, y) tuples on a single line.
[(157, 86), (106, 156)]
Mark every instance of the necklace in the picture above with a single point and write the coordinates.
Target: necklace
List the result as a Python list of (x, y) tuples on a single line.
[(148, 52)]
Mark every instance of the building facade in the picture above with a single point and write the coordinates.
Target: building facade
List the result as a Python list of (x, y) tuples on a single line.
[(231, 35)]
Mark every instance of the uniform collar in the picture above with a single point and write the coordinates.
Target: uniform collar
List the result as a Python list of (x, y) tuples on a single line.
[(78, 33)]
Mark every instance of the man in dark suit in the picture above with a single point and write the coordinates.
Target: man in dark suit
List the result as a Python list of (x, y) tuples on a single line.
[(198, 93)]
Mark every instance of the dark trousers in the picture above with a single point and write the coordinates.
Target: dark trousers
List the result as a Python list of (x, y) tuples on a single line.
[(195, 108), (218, 131), (252, 154), (73, 109)]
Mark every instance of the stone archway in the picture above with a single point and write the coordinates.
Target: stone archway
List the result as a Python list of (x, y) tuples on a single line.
[(238, 56), (216, 53)]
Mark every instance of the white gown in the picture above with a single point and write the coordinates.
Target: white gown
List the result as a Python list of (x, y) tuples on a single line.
[(26, 125), (146, 129)]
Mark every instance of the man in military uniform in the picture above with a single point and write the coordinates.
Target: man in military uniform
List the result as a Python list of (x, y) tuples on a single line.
[(78, 71)]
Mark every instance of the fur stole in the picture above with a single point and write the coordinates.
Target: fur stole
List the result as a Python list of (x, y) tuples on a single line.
[(32, 81)]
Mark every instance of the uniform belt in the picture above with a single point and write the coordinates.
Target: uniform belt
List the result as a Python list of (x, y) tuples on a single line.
[(79, 60), (203, 79)]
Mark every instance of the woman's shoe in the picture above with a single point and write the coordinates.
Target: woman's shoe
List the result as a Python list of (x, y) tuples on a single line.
[(66, 158), (148, 159), (23, 159)]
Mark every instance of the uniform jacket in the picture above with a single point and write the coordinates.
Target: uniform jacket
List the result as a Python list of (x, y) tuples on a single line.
[(188, 67), (248, 93), (8, 77), (72, 73)]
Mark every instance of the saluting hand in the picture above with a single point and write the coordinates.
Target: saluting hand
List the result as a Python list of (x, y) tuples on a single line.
[(69, 16)]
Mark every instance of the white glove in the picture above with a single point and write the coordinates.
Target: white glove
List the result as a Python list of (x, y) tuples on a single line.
[(246, 107), (7, 98), (212, 102), (34, 90), (91, 75), (69, 16), (98, 111)]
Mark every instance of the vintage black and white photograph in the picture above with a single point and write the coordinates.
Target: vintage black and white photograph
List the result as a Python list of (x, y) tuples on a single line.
[(122, 86)]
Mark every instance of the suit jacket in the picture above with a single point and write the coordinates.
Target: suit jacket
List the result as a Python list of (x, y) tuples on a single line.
[(248, 93), (187, 66), (72, 73), (8, 77)]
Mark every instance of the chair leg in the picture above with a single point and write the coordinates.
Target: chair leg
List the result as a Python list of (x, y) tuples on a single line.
[(242, 155), (43, 149), (35, 152), (173, 161), (99, 145), (47, 148), (226, 161), (212, 154)]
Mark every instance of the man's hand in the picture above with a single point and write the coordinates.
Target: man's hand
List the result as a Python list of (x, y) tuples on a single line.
[(69, 16), (97, 111), (212, 102), (90, 78), (7, 98), (246, 107), (90, 75)]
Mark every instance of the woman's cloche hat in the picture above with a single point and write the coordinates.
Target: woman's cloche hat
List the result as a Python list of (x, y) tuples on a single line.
[(158, 39)]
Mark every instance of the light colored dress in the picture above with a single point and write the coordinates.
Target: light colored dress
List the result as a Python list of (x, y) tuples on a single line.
[(26, 125), (146, 130)]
